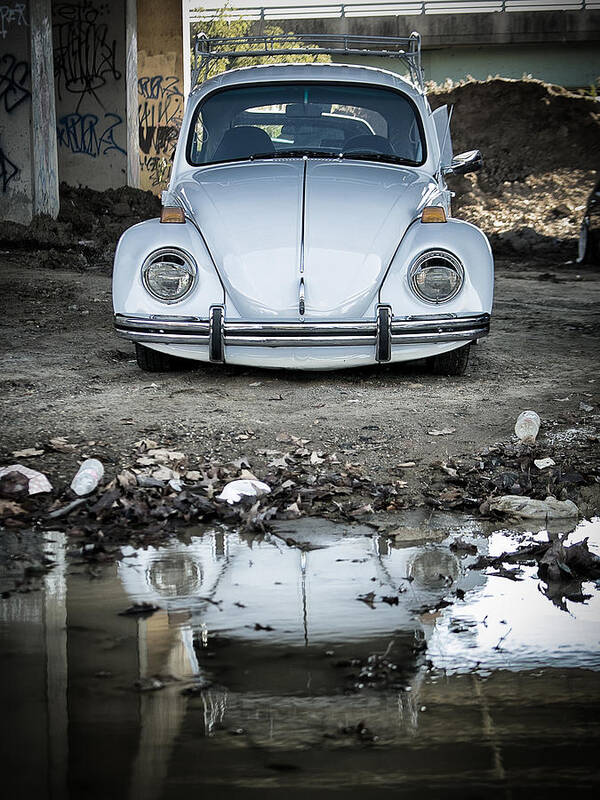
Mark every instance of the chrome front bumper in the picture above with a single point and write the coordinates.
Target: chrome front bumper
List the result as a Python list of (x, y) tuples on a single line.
[(382, 333)]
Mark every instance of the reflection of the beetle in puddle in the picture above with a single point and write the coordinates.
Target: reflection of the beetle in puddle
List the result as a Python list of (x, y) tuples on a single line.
[(270, 622)]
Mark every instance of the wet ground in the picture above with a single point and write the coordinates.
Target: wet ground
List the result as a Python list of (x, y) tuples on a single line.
[(344, 665)]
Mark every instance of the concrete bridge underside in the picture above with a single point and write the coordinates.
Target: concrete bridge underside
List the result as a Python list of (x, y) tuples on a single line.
[(556, 46)]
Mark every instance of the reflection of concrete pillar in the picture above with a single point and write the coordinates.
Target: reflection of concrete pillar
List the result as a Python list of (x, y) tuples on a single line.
[(164, 649), (43, 111), (55, 629)]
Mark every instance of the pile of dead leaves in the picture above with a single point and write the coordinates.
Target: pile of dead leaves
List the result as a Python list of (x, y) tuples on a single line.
[(161, 490)]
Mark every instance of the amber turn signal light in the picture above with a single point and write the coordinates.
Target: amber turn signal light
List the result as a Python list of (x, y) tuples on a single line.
[(433, 214), (172, 214)]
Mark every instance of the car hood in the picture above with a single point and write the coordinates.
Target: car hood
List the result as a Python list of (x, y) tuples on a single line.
[(333, 224)]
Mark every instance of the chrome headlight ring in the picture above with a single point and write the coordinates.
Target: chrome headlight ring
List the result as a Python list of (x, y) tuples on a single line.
[(436, 276), (169, 274)]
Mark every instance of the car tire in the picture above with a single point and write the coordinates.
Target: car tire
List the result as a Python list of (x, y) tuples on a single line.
[(589, 246), (454, 362), (153, 361)]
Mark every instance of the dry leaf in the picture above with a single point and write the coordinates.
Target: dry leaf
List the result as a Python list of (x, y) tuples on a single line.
[(146, 444), (61, 445), (280, 463), (29, 452), (145, 461), (442, 432), (8, 508), (359, 512), (164, 474), (162, 454), (126, 479), (293, 510)]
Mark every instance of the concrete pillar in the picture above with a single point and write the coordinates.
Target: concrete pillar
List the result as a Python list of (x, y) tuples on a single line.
[(161, 87), (90, 68), (133, 137), (43, 112), (16, 189)]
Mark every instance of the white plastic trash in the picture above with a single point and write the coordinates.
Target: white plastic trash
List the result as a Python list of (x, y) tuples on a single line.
[(527, 426), (38, 482), (88, 476), (529, 508), (234, 491)]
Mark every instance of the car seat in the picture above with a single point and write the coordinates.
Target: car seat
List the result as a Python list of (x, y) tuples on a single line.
[(369, 142), (242, 142)]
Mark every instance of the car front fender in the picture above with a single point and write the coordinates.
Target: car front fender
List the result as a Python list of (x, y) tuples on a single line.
[(136, 244), (461, 239)]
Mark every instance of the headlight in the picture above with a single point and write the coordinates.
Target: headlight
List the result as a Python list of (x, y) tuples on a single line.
[(169, 274), (436, 276)]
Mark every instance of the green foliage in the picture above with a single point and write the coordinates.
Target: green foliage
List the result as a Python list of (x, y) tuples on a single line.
[(224, 25)]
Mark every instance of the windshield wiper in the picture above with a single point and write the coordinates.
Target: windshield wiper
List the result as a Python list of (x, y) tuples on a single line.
[(295, 154), (385, 157)]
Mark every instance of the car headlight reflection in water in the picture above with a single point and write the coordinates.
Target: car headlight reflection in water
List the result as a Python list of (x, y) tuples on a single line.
[(169, 274), (436, 276)]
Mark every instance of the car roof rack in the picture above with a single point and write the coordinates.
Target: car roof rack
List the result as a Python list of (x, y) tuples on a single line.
[(207, 49)]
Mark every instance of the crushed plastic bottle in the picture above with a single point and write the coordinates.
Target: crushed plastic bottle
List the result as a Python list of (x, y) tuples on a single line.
[(88, 477), (234, 491), (527, 426)]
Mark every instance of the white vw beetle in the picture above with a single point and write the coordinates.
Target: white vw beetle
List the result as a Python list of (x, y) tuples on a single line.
[(307, 225)]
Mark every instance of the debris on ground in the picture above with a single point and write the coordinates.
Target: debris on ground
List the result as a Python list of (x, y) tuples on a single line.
[(236, 490), (527, 426), (88, 476), (17, 479), (528, 508), (157, 490), (555, 477)]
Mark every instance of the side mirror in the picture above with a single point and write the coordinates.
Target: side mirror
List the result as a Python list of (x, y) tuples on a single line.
[(470, 161)]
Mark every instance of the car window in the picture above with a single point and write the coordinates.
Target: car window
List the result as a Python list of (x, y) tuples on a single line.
[(237, 123)]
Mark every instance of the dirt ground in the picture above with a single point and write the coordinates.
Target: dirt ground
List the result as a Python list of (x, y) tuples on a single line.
[(66, 374)]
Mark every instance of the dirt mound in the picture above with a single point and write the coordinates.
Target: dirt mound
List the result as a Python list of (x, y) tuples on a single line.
[(523, 127), (541, 148), (85, 234)]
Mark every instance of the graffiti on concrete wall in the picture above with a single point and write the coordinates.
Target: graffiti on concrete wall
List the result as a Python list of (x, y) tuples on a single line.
[(88, 134), (84, 53), (160, 112), (86, 79), (14, 90), (14, 76), (11, 15), (8, 170)]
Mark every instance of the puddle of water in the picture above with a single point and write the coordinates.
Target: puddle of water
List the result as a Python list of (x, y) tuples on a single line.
[(276, 650)]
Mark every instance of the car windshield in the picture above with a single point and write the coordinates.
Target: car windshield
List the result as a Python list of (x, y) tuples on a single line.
[(313, 119)]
